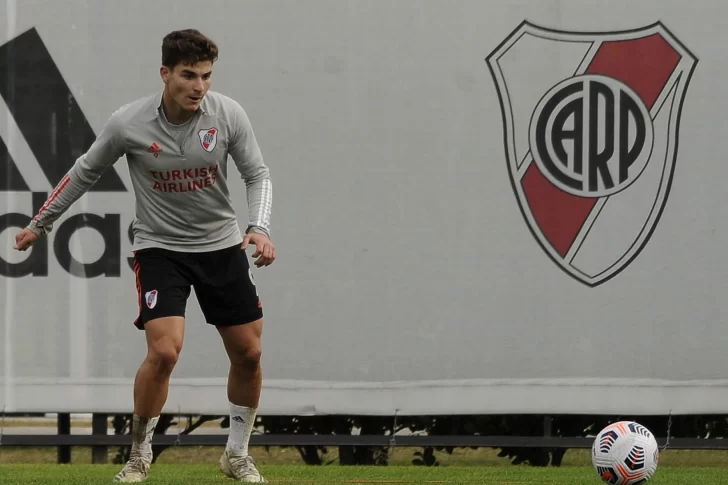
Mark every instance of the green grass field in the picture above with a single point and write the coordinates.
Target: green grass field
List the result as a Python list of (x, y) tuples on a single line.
[(297, 474), (187, 465)]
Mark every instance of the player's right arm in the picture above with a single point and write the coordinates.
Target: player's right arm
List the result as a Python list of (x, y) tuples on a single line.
[(106, 150)]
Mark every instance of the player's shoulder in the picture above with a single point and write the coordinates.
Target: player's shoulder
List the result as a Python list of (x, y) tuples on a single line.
[(139, 110), (222, 106)]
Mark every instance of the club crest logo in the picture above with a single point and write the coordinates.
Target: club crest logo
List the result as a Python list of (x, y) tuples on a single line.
[(151, 298), (591, 124), (208, 138)]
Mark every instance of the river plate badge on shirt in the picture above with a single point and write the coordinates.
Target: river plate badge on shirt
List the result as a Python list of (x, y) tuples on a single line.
[(208, 138)]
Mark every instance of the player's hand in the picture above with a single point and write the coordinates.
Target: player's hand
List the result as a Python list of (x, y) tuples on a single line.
[(265, 251), (25, 239)]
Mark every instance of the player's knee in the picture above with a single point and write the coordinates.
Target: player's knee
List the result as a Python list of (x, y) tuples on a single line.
[(248, 358), (164, 357)]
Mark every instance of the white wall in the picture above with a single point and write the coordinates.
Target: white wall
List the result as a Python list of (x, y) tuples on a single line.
[(408, 277)]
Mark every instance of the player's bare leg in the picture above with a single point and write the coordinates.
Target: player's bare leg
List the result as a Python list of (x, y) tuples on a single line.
[(151, 386), (242, 344)]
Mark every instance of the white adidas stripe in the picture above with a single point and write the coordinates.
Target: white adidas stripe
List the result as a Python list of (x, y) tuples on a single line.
[(266, 196)]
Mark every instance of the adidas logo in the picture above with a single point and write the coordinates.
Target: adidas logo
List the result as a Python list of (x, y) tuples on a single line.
[(154, 149), (49, 119), (50, 132)]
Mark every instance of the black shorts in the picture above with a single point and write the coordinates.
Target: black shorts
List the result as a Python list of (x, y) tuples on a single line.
[(222, 280)]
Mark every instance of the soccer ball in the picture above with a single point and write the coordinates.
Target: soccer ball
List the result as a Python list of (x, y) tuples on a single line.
[(625, 453)]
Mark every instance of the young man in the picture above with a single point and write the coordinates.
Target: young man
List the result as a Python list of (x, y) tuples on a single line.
[(185, 235)]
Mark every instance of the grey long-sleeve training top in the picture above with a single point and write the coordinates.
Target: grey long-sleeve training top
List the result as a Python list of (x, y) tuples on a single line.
[(178, 174)]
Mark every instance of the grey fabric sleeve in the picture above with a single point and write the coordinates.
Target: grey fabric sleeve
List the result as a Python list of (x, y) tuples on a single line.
[(245, 152), (106, 150)]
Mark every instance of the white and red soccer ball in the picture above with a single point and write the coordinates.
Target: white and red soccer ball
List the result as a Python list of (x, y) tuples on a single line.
[(625, 453)]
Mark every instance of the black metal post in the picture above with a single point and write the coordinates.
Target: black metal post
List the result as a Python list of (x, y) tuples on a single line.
[(64, 429), (548, 422), (99, 426)]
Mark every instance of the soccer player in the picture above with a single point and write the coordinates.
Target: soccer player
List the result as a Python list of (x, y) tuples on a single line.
[(186, 234)]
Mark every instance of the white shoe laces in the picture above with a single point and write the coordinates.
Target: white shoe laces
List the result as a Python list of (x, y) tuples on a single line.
[(244, 465), (139, 460)]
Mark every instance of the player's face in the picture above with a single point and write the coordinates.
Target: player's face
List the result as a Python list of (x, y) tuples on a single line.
[(188, 84)]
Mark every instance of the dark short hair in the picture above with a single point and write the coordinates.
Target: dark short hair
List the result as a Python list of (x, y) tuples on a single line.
[(187, 46)]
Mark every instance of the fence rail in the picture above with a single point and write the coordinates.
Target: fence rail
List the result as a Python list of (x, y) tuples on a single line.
[(348, 440), (100, 440)]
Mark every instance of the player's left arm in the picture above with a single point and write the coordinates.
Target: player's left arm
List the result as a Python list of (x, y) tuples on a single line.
[(245, 152)]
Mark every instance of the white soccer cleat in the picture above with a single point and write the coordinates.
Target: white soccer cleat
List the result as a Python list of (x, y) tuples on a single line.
[(241, 468), (137, 468)]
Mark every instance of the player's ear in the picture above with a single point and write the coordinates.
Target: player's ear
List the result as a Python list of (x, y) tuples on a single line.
[(164, 73)]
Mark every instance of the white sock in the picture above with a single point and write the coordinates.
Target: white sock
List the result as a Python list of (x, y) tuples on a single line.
[(242, 420), (142, 430)]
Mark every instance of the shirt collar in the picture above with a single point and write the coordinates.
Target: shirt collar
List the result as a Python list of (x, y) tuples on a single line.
[(158, 104)]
